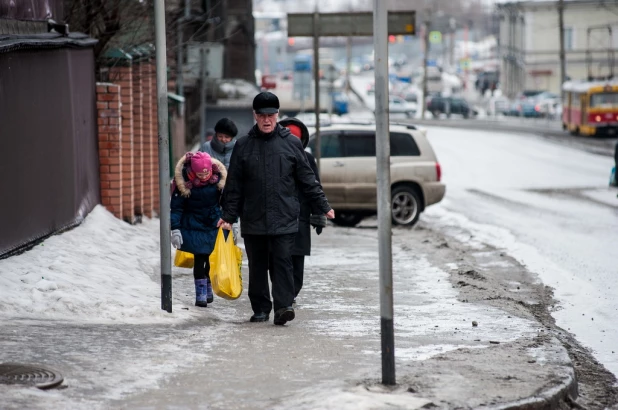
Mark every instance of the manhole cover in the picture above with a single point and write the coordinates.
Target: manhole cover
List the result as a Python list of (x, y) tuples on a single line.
[(32, 375)]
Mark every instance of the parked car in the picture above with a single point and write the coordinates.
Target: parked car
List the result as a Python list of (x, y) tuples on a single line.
[(437, 105), (397, 105), (348, 172), (529, 108)]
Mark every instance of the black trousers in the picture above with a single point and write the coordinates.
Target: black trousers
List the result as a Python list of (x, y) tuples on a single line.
[(201, 267), (298, 267), (259, 249)]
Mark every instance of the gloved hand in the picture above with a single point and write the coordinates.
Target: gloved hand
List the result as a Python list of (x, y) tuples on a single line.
[(236, 232), (318, 222), (176, 238)]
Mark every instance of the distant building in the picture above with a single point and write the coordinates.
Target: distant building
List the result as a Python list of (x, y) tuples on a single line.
[(530, 42)]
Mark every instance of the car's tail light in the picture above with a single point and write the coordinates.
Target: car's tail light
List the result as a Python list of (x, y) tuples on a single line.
[(438, 171)]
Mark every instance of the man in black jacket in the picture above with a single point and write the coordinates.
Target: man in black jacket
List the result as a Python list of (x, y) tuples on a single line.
[(267, 168)]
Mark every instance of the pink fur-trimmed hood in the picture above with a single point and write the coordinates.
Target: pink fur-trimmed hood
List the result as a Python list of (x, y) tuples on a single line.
[(184, 186)]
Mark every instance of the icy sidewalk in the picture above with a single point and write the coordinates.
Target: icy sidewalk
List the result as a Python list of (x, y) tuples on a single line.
[(116, 348)]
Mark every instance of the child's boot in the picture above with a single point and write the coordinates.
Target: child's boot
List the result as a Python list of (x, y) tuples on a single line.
[(200, 293), (209, 296)]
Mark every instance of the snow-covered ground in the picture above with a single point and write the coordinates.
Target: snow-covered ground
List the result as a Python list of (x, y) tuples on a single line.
[(103, 271)]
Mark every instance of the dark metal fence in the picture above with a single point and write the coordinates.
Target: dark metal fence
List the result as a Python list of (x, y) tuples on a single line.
[(48, 144)]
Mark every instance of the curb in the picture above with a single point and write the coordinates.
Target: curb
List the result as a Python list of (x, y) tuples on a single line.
[(549, 399)]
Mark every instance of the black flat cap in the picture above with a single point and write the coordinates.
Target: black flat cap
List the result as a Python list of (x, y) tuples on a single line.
[(266, 103)]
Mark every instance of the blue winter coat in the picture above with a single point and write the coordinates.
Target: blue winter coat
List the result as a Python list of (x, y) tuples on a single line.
[(196, 211)]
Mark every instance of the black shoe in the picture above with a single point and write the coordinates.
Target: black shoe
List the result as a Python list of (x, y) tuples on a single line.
[(201, 304), (259, 317), (210, 300), (284, 315)]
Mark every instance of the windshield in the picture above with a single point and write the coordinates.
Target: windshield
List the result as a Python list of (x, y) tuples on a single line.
[(604, 100)]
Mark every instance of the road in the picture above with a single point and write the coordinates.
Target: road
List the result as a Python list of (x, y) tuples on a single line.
[(528, 187), (549, 206)]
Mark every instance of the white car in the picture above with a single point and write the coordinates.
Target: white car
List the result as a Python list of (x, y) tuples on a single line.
[(396, 105)]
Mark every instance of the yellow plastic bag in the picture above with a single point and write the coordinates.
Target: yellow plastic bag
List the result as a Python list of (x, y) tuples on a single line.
[(225, 262), (183, 259)]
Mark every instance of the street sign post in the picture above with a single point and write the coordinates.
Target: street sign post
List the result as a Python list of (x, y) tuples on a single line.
[(379, 24), (355, 24)]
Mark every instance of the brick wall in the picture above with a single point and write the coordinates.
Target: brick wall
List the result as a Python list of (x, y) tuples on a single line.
[(146, 175), (110, 146), (123, 76), (138, 149), (128, 141), (155, 140)]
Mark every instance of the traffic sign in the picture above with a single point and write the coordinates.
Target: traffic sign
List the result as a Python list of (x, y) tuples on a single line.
[(348, 24)]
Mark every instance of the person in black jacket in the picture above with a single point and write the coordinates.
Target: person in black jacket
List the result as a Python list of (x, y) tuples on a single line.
[(302, 242), (267, 169)]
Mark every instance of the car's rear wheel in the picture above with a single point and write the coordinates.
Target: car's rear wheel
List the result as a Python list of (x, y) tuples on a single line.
[(405, 205), (347, 218)]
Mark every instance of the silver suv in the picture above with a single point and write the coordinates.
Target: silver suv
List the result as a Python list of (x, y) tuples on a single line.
[(348, 172)]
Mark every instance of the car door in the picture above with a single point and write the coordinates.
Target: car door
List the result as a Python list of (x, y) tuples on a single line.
[(359, 148), (331, 166)]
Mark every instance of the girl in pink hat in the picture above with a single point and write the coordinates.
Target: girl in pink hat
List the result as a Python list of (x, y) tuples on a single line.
[(196, 190)]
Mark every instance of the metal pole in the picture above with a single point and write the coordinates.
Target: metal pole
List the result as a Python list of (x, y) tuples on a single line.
[(425, 58), (164, 164), (348, 63), (203, 76), (562, 54), (331, 90), (465, 44), (316, 80), (180, 87), (380, 45)]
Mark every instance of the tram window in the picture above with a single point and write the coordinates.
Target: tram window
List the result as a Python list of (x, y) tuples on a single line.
[(604, 99)]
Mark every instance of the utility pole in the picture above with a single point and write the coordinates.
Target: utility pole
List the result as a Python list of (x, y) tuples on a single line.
[(453, 28), (203, 77), (425, 58), (180, 54), (383, 175), (316, 79), (562, 54), (348, 63), (164, 164)]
